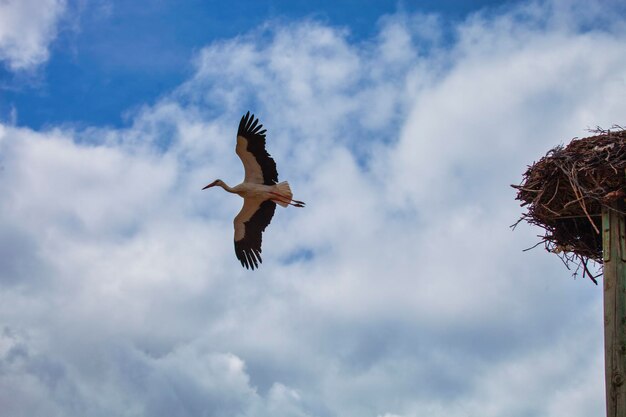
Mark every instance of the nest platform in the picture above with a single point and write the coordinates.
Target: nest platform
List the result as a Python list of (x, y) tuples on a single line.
[(565, 191)]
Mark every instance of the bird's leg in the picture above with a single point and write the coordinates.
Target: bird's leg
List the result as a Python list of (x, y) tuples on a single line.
[(287, 200), (276, 200)]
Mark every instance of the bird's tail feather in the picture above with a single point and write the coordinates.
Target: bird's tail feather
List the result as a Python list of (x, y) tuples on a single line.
[(283, 189)]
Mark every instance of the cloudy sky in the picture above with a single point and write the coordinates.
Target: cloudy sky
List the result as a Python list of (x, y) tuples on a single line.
[(400, 291)]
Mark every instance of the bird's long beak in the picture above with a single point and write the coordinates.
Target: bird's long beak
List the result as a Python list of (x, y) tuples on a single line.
[(210, 185)]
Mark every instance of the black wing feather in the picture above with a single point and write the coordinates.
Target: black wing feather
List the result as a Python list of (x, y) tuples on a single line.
[(250, 128), (248, 249)]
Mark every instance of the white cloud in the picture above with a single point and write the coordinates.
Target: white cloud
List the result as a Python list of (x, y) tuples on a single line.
[(120, 293), (26, 29)]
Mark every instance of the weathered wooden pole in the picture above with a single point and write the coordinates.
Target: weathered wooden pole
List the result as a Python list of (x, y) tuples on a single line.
[(614, 253)]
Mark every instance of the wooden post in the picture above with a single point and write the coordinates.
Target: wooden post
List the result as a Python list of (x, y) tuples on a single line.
[(614, 253)]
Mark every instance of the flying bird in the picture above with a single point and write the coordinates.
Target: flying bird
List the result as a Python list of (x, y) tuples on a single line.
[(260, 190)]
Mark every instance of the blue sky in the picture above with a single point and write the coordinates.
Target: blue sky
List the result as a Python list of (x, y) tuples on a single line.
[(129, 53), (399, 291)]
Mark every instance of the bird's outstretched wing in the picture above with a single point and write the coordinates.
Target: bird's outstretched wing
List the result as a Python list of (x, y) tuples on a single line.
[(249, 224), (259, 166)]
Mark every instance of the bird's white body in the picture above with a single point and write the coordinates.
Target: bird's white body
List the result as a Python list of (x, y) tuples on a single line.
[(260, 191)]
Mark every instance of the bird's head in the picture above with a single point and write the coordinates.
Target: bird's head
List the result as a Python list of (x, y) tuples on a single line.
[(214, 183)]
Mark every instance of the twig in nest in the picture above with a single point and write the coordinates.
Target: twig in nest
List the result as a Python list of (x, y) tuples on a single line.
[(589, 274), (581, 200)]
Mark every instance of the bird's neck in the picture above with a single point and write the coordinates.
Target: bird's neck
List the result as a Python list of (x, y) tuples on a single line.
[(227, 188)]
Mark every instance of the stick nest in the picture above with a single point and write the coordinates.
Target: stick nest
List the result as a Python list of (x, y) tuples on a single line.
[(564, 193)]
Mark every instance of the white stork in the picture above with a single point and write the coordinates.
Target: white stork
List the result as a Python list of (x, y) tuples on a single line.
[(260, 190)]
